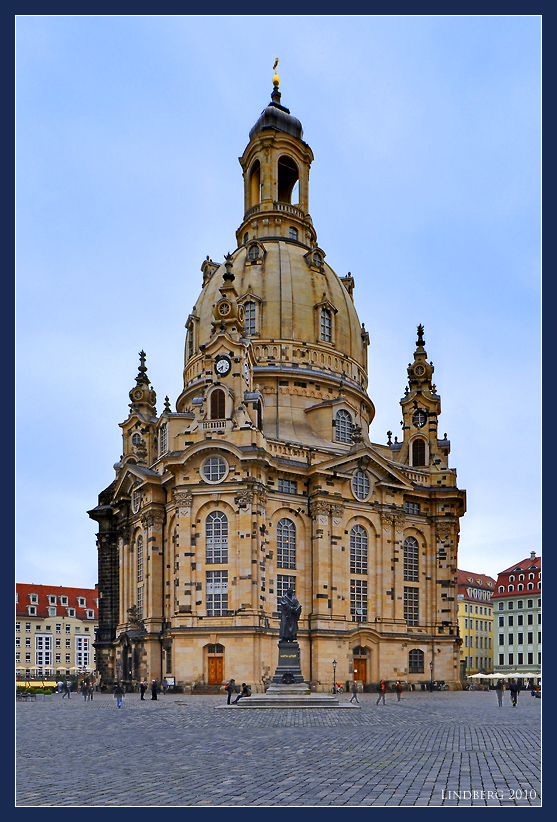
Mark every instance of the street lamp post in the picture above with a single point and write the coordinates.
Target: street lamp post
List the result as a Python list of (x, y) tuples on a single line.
[(334, 676), (431, 676)]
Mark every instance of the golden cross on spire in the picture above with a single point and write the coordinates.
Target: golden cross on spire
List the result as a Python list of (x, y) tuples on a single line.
[(276, 78)]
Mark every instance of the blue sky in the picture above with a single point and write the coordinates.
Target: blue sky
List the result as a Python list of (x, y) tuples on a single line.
[(426, 133)]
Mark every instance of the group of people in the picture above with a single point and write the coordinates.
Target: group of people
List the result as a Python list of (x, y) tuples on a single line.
[(64, 687), (382, 689), (231, 689), (514, 690), (87, 689), (119, 690)]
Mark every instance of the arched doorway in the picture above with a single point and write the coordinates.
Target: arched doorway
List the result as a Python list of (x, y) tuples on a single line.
[(360, 656), (215, 664)]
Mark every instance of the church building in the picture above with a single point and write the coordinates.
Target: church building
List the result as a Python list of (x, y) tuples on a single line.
[(263, 476)]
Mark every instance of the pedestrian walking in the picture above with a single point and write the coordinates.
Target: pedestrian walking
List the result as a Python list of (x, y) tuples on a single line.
[(500, 691), (398, 689), (142, 689), (83, 688), (230, 687), (59, 686), (65, 689), (381, 692), (90, 690), (119, 693), (354, 689), (515, 690), (164, 685), (154, 689), (246, 691)]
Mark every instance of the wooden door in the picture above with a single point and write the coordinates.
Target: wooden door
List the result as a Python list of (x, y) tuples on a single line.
[(360, 670), (216, 669)]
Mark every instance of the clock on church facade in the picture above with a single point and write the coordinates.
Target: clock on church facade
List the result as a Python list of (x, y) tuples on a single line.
[(264, 477)]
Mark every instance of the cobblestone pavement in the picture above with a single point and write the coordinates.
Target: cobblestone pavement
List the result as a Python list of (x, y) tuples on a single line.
[(440, 749)]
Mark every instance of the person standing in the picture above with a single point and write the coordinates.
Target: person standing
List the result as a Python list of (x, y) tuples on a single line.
[(398, 689), (515, 690), (83, 689), (59, 685), (154, 689), (119, 693), (142, 689), (230, 685), (90, 690), (164, 684), (354, 689), (381, 691), (500, 691)]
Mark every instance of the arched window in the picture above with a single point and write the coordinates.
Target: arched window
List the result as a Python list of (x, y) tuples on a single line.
[(163, 439), (411, 559), (216, 537), (511, 578), (136, 439), (286, 544), (255, 183), (418, 452), (358, 550), (139, 545), (520, 587), (293, 233), (416, 661), (343, 426), (287, 178), (326, 327), (217, 404), (530, 586), (511, 587), (249, 317), (317, 260), (360, 485), (253, 253)]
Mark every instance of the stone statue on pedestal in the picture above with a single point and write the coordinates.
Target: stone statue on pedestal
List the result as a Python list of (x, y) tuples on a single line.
[(290, 610)]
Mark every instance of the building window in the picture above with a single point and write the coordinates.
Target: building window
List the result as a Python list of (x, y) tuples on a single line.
[(510, 639), (81, 602), (51, 611), (253, 253), (51, 599), (530, 638), (411, 603), (343, 426), (511, 659), (63, 600), (501, 590), (412, 507), (217, 593), (286, 544), (82, 652), (411, 559), (416, 661), (90, 614), (286, 486), (358, 550), (216, 537), (317, 260), (530, 659), (284, 582), (218, 406), (163, 439), (34, 599), (511, 587), (511, 619), (139, 558), (501, 621), (58, 628), (140, 601), (358, 600), (293, 233), (520, 639), (249, 318), (418, 452), (18, 626), (360, 485), (68, 628), (326, 326), (32, 610), (530, 586), (215, 469), (71, 612)]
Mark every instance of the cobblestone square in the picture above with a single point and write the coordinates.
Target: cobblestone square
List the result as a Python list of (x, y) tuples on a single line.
[(430, 749)]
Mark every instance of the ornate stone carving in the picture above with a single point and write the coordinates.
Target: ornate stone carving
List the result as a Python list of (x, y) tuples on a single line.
[(244, 498), (399, 520), (337, 511), (319, 510), (443, 530), (387, 521), (183, 501)]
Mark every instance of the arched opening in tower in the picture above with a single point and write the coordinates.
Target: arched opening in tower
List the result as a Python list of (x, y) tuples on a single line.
[(287, 180), (255, 184)]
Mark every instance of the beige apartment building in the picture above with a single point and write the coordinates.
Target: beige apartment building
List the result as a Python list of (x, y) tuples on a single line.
[(475, 622), (54, 631), (263, 476)]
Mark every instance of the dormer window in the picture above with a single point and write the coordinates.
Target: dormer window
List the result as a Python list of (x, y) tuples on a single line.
[(343, 426), (51, 611), (51, 599), (511, 578), (253, 253), (32, 610), (326, 325), (249, 318), (90, 614), (317, 260), (63, 600), (81, 602), (34, 599), (71, 612)]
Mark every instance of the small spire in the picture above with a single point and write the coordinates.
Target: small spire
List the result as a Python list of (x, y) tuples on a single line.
[(420, 340), (276, 78), (142, 371), (228, 274), (167, 405), (276, 95)]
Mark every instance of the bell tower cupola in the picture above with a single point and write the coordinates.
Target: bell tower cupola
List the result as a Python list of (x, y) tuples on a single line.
[(275, 168)]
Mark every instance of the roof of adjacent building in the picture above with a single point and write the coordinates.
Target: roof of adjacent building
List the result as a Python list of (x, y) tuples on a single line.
[(467, 578), (531, 563), (24, 590), (524, 565)]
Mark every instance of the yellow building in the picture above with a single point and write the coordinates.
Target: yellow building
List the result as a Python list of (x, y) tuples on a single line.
[(475, 623), (264, 476)]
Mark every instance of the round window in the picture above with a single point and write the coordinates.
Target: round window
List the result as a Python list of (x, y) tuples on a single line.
[(360, 485), (214, 469)]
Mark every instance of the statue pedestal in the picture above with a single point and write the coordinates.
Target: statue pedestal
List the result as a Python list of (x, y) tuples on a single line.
[(288, 673)]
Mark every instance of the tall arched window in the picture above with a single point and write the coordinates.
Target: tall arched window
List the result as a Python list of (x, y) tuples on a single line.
[(163, 439), (418, 452), (343, 426), (411, 559), (139, 545), (416, 661), (249, 318), (358, 550), (326, 329), (286, 544), (216, 537), (217, 404), (255, 183)]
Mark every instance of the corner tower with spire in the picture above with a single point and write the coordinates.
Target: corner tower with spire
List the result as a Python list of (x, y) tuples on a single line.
[(264, 476)]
